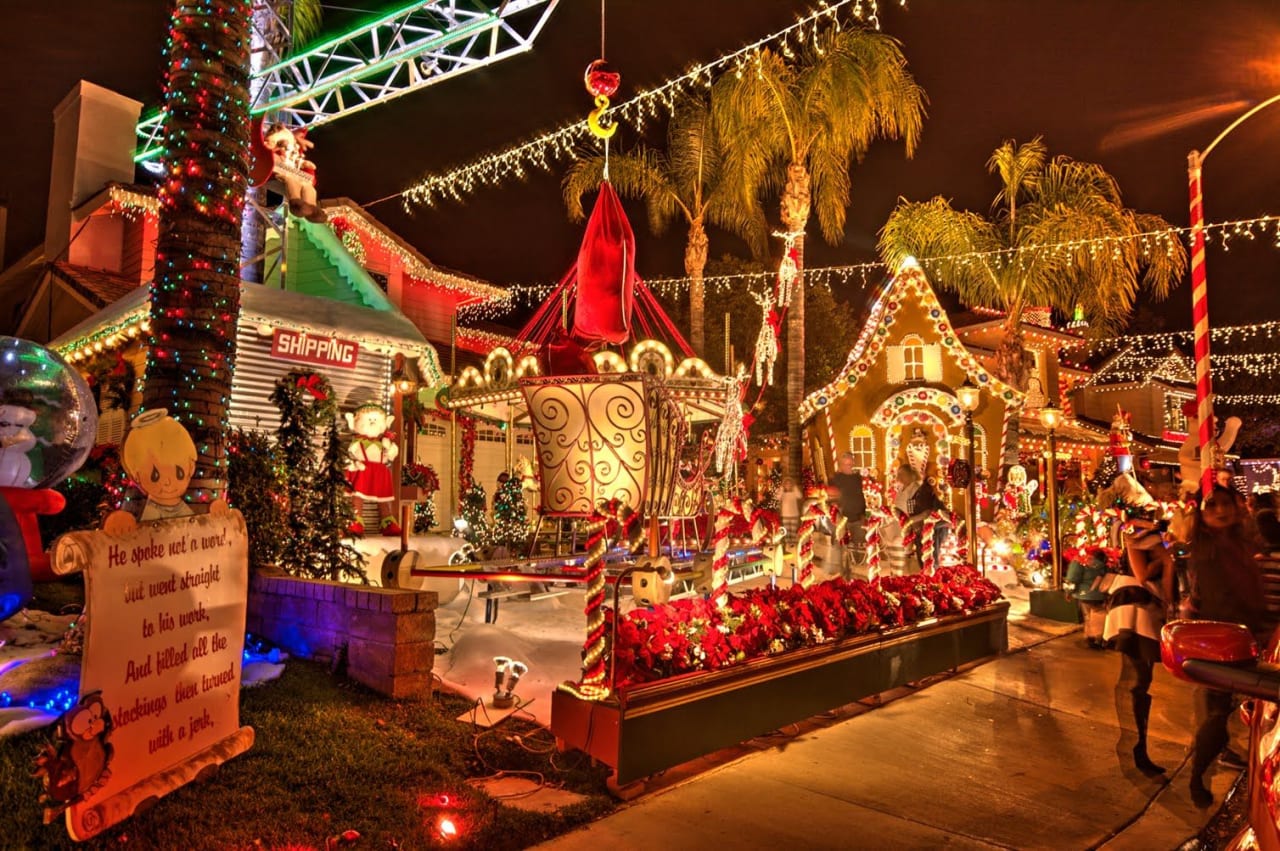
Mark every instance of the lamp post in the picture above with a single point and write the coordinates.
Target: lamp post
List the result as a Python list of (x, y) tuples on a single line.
[(1051, 418), (1200, 301), (969, 397), (1050, 603)]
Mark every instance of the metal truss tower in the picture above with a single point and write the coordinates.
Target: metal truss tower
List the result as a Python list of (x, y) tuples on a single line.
[(420, 44)]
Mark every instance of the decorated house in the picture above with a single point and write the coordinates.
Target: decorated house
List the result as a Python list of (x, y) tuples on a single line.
[(901, 376), (350, 298), (1055, 373), (1154, 390)]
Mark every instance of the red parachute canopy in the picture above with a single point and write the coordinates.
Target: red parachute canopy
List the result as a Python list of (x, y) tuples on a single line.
[(593, 305)]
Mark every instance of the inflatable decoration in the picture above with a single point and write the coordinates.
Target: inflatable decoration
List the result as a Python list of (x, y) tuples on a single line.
[(48, 423)]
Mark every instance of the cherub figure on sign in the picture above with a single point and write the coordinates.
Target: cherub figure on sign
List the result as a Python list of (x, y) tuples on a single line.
[(293, 169), (78, 762), (160, 457), (372, 450)]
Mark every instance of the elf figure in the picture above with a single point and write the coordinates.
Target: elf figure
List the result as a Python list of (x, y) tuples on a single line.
[(372, 451), (293, 169)]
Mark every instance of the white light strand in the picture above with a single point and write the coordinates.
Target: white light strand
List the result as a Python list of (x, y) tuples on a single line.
[(558, 145), (861, 274)]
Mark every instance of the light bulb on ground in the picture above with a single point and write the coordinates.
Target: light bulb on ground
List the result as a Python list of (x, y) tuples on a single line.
[(516, 671), (500, 664)]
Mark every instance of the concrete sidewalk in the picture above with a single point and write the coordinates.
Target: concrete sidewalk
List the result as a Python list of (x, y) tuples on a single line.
[(1030, 750)]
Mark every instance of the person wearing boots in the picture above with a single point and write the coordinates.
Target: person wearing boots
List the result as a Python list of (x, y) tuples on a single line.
[(1225, 585), (1135, 614)]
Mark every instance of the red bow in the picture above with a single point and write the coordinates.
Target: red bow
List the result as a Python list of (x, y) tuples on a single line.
[(312, 384)]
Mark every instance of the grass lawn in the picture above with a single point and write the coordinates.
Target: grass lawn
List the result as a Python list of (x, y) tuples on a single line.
[(331, 756)]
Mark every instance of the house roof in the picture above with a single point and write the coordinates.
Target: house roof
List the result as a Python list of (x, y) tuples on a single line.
[(99, 287), (418, 266), (909, 280), (265, 307), (978, 321)]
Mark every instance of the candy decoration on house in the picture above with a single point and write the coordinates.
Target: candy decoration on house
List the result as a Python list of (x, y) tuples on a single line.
[(48, 422), (371, 452), (1224, 436), (1120, 440), (766, 350)]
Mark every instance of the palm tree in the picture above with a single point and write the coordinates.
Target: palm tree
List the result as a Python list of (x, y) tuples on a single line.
[(278, 26), (195, 299), (689, 180), (798, 126), (1098, 260)]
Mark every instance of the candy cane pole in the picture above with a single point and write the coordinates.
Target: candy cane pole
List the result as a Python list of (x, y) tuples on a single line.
[(1200, 316)]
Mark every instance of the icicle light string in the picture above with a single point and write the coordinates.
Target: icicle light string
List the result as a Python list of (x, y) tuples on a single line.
[(558, 145), (863, 273)]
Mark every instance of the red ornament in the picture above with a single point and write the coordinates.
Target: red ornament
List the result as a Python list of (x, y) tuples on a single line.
[(600, 79)]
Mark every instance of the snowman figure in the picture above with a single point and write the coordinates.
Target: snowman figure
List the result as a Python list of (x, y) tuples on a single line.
[(372, 451), (16, 440)]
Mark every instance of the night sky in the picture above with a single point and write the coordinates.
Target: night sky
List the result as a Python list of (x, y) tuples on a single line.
[(1133, 85)]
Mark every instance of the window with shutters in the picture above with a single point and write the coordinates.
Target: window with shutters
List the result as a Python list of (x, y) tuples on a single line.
[(912, 358), (111, 423), (862, 443)]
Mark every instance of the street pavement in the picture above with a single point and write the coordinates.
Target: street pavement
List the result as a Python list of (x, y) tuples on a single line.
[(1028, 750)]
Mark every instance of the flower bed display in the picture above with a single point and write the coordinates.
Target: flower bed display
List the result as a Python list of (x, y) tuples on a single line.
[(693, 679), (693, 635)]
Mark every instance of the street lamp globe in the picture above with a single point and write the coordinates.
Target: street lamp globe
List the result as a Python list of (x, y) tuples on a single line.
[(1050, 416), (968, 396)]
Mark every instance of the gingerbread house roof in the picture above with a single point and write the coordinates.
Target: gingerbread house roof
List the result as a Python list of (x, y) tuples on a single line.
[(907, 286)]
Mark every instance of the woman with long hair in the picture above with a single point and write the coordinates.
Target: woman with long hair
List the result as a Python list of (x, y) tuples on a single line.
[(1137, 605)]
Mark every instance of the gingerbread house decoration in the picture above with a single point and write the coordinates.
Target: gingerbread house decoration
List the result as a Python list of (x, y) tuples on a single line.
[(900, 377)]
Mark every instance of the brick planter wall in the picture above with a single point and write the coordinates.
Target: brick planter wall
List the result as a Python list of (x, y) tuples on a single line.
[(389, 633)]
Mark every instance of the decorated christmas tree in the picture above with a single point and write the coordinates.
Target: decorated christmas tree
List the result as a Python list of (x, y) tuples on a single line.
[(510, 515), (475, 512), (333, 557), (255, 486), (303, 399), (424, 478)]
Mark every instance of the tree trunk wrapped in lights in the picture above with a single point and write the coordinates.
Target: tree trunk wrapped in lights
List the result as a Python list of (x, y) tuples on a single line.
[(195, 299)]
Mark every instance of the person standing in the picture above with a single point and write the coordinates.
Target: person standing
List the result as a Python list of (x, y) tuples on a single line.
[(846, 487), (1135, 614), (1225, 584)]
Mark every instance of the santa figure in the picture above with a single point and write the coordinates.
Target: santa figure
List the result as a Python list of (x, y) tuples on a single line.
[(297, 173), (372, 450)]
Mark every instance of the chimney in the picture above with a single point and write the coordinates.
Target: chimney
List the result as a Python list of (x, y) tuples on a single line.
[(93, 140)]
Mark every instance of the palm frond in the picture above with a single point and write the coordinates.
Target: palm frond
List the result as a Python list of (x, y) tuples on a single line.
[(641, 175), (307, 17), (1018, 167), (957, 249)]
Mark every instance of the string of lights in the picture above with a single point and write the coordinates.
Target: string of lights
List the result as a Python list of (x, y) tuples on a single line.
[(862, 274), (558, 145)]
